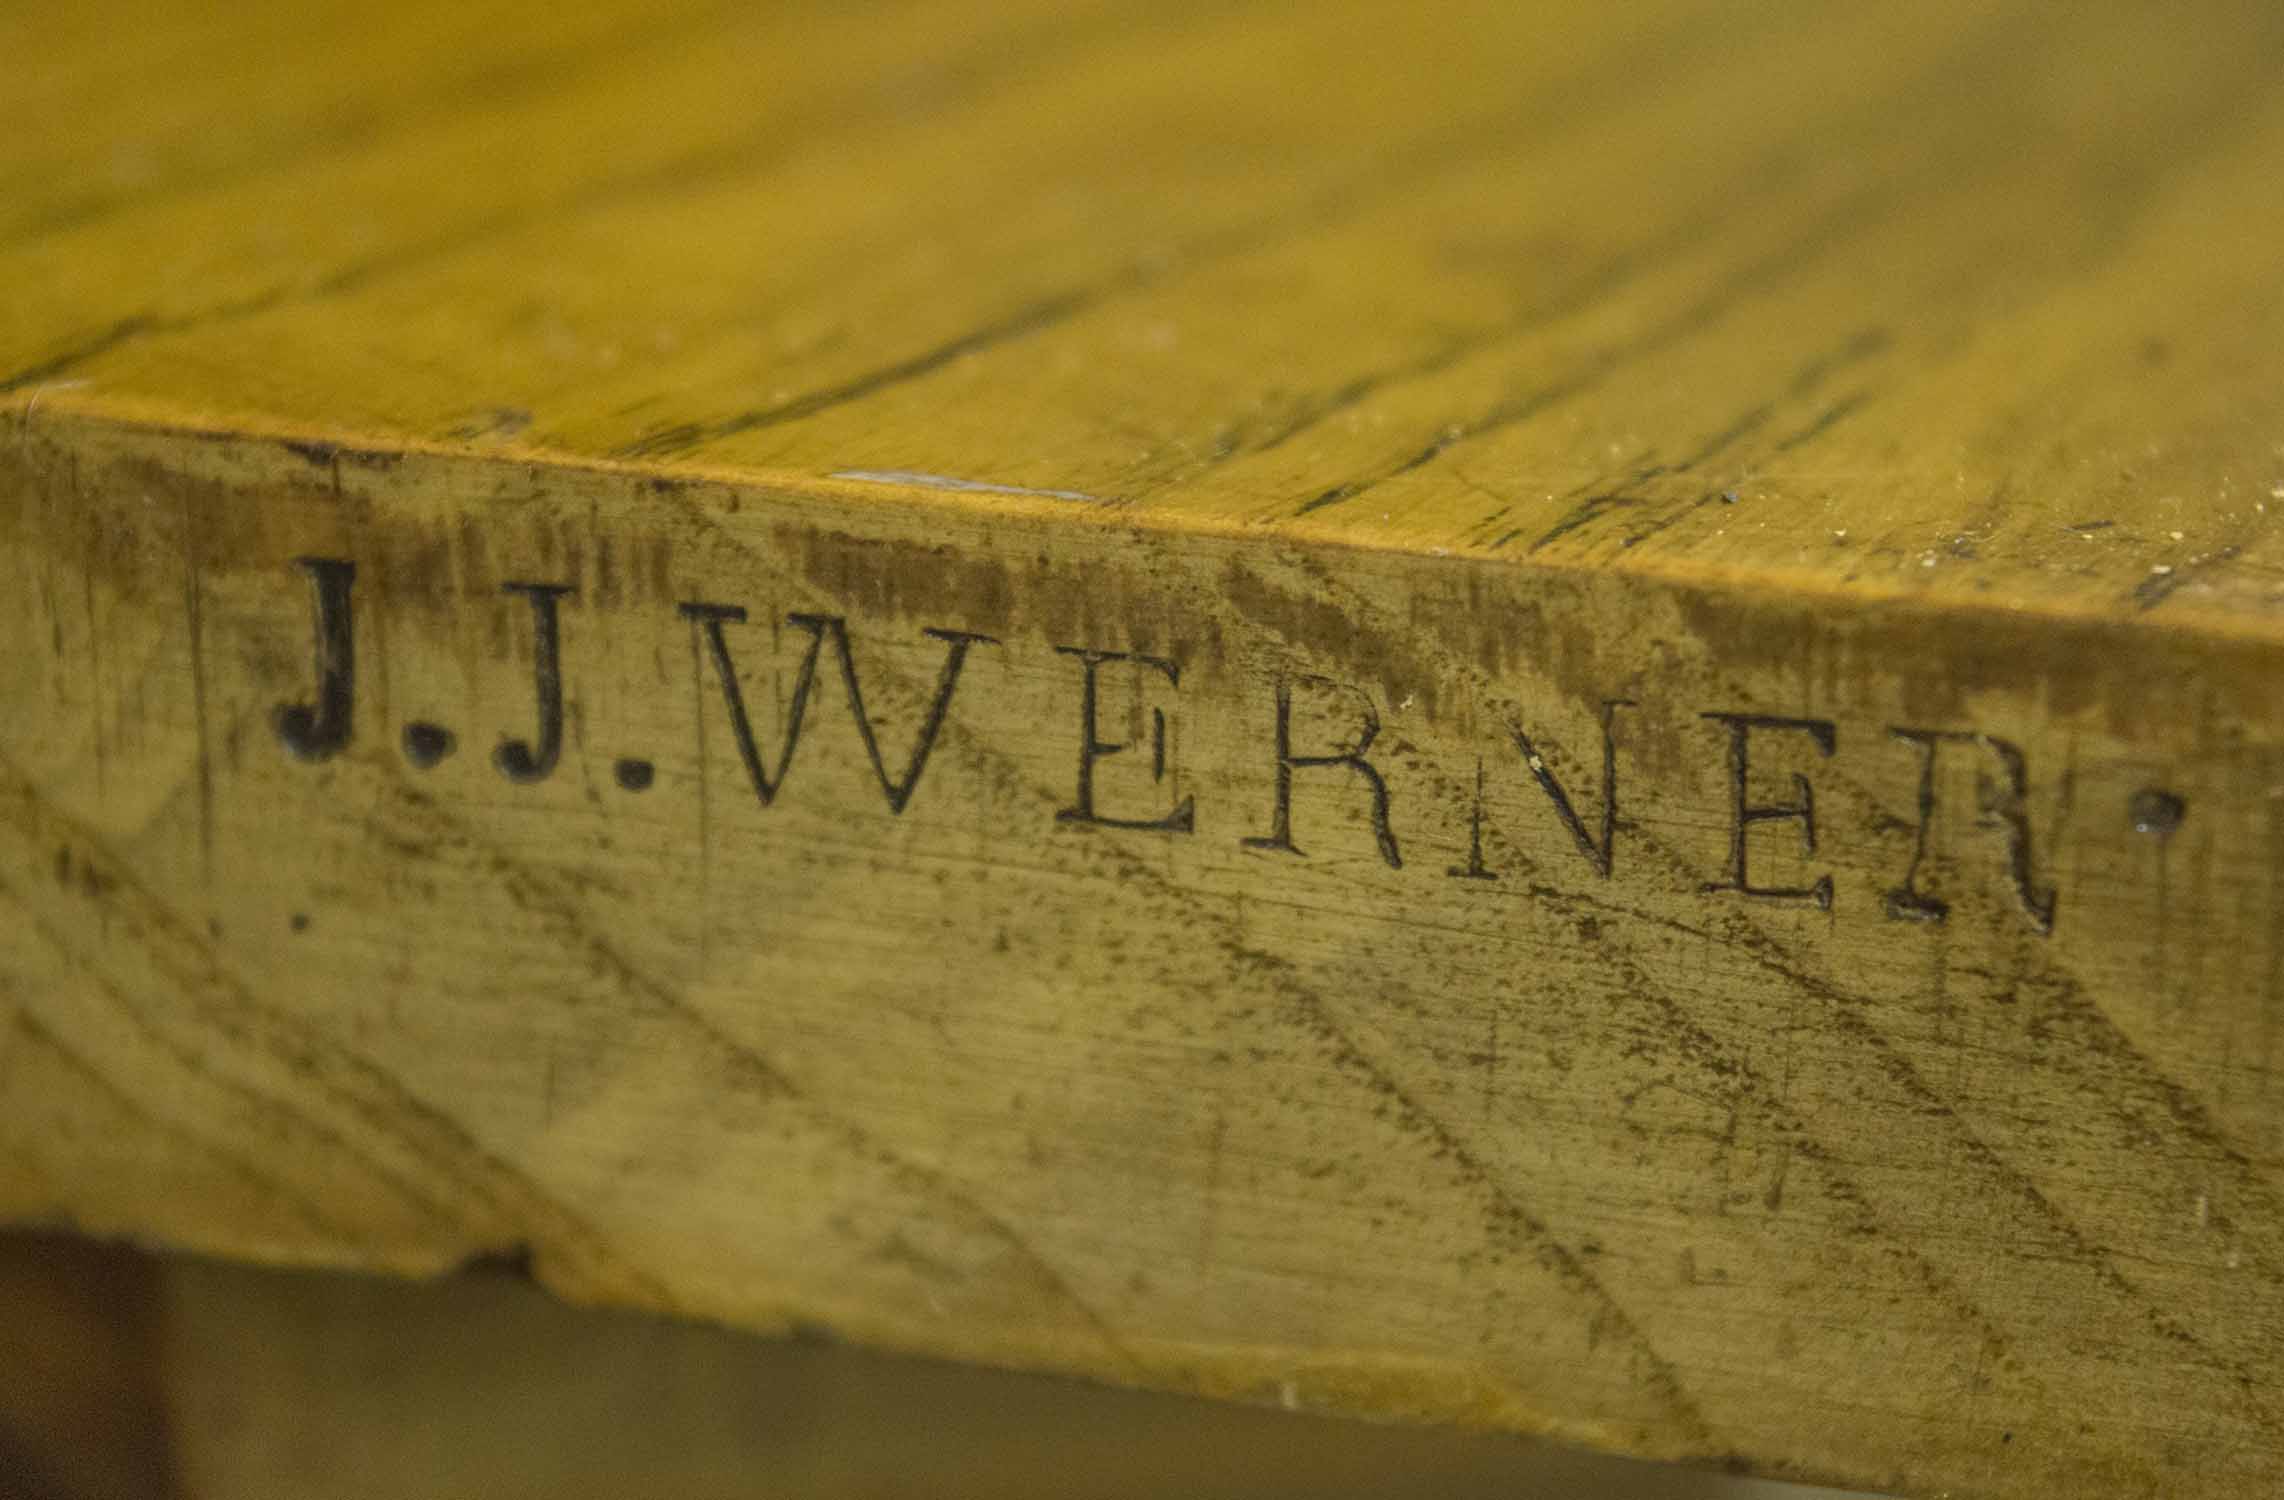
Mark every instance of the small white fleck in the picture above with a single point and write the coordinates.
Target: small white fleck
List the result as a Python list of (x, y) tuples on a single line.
[(2162, 569), (1289, 1396), (2175, 535), (1927, 562), (1537, 765), (2277, 493), (1841, 535)]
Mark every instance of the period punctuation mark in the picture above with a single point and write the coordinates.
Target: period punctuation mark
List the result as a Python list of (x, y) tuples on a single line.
[(426, 744)]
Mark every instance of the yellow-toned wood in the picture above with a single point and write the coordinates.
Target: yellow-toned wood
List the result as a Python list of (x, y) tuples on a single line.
[(1593, 433), (1937, 281)]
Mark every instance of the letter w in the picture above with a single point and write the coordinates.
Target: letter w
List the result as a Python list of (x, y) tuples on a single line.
[(768, 783)]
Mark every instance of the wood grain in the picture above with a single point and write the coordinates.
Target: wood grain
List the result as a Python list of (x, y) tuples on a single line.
[(1559, 717)]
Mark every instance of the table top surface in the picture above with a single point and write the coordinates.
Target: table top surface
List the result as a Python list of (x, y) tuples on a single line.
[(1966, 303)]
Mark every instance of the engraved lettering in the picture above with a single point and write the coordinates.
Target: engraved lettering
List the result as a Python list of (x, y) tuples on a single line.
[(2010, 804), (956, 644), (320, 732), (1908, 903), (1280, 834), (1474, 869), (1092, 746), (1744, 813), (520, 760), (766, 784), (1601, 856), (2006, 801), (710, 619), (1342, 729)]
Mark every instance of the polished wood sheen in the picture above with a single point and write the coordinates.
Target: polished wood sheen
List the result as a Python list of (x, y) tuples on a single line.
[(1552, 716)]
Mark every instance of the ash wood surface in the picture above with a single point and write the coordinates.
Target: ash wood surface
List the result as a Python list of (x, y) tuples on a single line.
[(1561, 717)]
